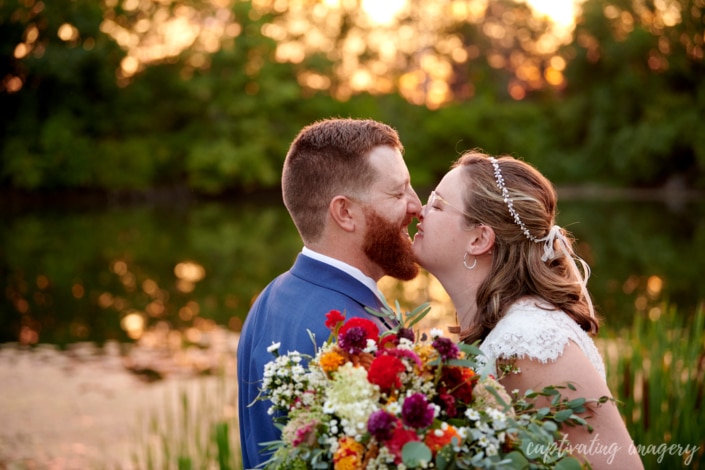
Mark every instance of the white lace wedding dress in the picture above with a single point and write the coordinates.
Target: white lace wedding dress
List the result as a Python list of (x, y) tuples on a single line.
[(530, 329)]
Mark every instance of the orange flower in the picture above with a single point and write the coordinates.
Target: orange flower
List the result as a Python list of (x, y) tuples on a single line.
[(436, 439), (331, 360), (349, 455)]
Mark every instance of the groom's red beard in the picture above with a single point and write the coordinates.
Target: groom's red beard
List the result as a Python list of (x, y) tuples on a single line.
[(387, 246)]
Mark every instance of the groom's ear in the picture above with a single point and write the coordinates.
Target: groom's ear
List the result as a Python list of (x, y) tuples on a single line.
[(481, 241), (342, 212)]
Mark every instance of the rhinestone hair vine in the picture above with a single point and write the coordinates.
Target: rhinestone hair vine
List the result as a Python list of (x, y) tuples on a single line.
[(553, 235), (509, 202)]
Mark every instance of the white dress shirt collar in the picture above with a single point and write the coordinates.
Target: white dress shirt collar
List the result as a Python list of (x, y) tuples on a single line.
[(345, 267)]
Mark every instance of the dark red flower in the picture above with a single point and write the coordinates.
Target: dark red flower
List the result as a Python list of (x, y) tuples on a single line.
[(447, 403), (353, 335), (458, 382), (417, 412), (382, 424), (446, 348), (407, 333)]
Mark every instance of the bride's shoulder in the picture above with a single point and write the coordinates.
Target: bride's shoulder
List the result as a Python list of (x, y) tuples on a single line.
[(530, 328), (533, 315)]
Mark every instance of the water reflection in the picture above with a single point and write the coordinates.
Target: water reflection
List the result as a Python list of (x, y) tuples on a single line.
[(171, 274), (103, 275)]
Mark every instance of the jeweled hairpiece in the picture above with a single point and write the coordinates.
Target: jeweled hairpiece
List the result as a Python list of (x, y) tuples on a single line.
[(554, 234), (509, 202)]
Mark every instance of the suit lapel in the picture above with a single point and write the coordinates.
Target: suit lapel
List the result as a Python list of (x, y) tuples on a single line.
[(332, 278)]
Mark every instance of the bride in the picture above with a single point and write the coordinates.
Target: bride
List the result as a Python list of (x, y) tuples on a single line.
[(488, 234)]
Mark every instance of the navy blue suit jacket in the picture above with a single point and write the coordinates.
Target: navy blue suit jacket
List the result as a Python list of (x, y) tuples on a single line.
[(291, 304)]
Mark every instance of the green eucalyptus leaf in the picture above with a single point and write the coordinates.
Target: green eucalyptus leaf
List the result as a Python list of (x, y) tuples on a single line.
[(416, 454), (563, 415), (568, 463)]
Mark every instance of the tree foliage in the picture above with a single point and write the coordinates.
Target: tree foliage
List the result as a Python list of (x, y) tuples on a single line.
[(620, 104), (633, 109)]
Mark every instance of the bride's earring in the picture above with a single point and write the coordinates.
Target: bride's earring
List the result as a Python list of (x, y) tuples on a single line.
[(465, 262)]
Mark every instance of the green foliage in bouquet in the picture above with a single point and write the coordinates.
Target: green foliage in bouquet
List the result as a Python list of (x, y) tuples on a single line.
[(380, 400)]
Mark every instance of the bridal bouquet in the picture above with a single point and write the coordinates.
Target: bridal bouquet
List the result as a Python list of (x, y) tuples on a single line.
[(381, 400)]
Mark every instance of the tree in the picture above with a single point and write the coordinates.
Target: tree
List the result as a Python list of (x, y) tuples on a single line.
[(633, 107)]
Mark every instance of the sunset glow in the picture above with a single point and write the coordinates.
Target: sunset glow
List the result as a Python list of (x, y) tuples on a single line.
[(159, 33), (383, 12), (560, 12)]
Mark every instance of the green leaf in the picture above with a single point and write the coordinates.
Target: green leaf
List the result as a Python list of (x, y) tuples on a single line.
[(550, 426), (568, 463), (444, 457), (462, 363), (576, 403), (416, 454), (563, 415), (470, 349), (417, 315), (517, 460)]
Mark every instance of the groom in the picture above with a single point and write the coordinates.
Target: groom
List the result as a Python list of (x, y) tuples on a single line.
[(348, 191)]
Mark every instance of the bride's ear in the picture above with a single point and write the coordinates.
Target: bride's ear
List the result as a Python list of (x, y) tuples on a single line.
[(481, 241)]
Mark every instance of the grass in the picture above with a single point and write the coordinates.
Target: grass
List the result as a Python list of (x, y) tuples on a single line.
[(195, 429), (655, 369)]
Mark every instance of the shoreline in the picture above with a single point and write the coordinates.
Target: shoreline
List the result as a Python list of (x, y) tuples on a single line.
[(65, 410)]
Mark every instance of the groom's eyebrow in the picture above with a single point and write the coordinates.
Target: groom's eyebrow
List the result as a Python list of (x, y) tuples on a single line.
[(399, 184)]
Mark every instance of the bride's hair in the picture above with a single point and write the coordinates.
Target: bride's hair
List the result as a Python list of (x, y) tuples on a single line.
[(528, 204)]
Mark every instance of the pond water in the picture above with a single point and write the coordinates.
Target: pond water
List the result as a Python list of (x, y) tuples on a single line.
[(115, 271)]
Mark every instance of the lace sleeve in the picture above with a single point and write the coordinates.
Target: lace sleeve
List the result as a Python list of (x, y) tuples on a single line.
[(528, 331)]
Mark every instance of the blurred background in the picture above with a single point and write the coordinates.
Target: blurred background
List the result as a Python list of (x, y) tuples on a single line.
[(142, 144)]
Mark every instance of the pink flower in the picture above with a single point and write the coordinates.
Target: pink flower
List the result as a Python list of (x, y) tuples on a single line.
[(301, 431)]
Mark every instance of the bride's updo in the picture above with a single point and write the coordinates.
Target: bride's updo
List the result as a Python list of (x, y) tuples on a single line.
[(532, 256)]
